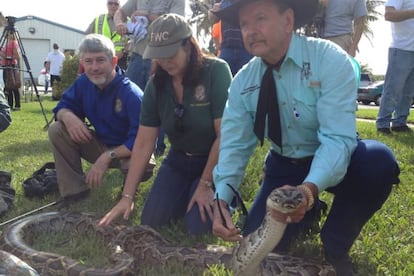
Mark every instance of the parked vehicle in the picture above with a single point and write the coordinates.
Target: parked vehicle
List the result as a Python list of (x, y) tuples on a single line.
[(371, 93), (365, 80)]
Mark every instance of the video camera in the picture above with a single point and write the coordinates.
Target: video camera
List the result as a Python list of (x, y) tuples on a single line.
[(11, 20)]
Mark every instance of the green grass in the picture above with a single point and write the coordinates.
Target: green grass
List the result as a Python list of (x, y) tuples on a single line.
[(371, 114), (385, 246)]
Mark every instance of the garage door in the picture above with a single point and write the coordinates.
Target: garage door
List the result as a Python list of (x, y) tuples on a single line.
[(36, 52)]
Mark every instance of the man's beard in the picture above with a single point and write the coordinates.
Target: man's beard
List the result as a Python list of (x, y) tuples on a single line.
[(98, 81)]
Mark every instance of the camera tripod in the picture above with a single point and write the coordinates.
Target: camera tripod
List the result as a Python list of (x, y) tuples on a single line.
[(11, 29)]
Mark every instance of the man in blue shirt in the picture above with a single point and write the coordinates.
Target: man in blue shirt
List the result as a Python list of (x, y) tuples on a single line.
[(319, 149), (111, 103)]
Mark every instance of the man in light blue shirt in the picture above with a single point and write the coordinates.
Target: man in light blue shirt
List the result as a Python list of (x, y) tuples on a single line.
[(316, 90)]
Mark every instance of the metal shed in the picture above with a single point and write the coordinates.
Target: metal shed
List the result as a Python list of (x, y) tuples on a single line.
[(37, 36)]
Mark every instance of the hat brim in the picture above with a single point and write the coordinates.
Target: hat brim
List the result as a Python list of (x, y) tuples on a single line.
[(166, 51), (304, 11)]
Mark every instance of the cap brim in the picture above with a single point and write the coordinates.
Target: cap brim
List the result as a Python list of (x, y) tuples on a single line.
[(166, 51), (304, 10)]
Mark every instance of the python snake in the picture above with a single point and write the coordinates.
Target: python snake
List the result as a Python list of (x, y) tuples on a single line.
[(258, 244), (135, 246)]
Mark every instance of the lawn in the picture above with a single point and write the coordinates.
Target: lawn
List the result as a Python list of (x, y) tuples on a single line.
[(385, 246)]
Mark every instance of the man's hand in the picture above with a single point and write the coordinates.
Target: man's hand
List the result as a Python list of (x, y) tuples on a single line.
[(77, 129), (298, 214), (124, 206), (121, 28), (95, 175), (224, 227)]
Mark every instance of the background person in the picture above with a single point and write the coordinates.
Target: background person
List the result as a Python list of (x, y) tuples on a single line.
[(5, 116), (138, 67), (398, 92), (104, 24), (10, 58), (231, 47), (316, 147), (111, 103), (7, 193), (186, 97), (344, 23), (216, 36), (56, 59), (44, 76)]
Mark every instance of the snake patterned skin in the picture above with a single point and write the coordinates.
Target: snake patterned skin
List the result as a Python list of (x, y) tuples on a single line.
[(11, 265), (133, 247), (250, 252), (17, 238)]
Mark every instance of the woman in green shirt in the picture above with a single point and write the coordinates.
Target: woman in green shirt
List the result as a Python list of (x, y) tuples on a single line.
[(185, 97)]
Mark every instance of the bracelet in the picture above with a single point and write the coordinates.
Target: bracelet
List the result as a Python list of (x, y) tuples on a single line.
[(309, 195), (207, 183), (128, 196)]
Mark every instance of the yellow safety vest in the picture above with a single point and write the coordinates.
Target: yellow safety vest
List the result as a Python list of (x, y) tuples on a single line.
[(102, 27)]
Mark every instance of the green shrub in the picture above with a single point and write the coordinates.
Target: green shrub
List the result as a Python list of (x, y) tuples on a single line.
[(69, 73)]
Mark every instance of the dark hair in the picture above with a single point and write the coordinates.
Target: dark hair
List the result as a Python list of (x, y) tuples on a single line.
[(193, 71)]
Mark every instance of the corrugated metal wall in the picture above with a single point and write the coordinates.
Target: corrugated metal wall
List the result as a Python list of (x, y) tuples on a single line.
[(37, 36)]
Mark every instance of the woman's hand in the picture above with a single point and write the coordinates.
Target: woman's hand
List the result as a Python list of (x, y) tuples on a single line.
[(203, 196), (124, 206)]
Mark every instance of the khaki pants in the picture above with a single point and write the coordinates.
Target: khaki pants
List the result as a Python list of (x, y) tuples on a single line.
[(344, 41), (68, 159)]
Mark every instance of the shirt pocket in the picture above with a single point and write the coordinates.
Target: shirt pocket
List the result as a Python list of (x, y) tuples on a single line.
[(304, 105)]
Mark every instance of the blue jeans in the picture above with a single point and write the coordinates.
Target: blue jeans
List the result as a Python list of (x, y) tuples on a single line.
[(398, 89), (235, 57), (138, 70), (172, 190), (368, 182)]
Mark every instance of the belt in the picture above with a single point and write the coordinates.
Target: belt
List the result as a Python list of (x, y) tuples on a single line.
[(296, 161), (192, 154)]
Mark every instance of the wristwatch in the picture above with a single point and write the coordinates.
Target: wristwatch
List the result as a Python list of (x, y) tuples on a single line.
[(112, 154)]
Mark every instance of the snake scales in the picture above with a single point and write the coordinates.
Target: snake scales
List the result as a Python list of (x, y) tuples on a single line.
[(131, 247)]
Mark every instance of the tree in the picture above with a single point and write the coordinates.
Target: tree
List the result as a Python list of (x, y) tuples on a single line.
[(373, 15), (199, 18)]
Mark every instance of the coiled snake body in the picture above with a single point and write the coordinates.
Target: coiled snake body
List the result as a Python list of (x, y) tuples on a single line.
[(136, 246), (19, 236)]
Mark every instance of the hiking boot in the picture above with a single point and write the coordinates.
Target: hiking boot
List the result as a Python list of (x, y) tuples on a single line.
[(384, 130), (404, 128), (65, 202), (342, 265)]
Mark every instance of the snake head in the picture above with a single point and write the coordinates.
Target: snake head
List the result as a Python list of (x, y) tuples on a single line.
[(285, 199)]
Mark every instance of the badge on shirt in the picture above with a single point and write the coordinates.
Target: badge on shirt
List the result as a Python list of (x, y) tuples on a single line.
[(306, 71), (118, 105), (200, 93)]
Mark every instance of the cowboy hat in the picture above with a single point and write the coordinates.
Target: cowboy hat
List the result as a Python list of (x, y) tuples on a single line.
[(304, 10)]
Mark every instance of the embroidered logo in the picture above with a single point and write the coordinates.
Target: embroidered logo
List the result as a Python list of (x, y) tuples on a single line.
[(200, 93), (160, 36), (118, 105), (306, 71)]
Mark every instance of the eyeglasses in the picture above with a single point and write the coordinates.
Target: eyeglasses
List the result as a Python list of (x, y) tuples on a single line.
[(242, 218), (113, 4), (179, 114)]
